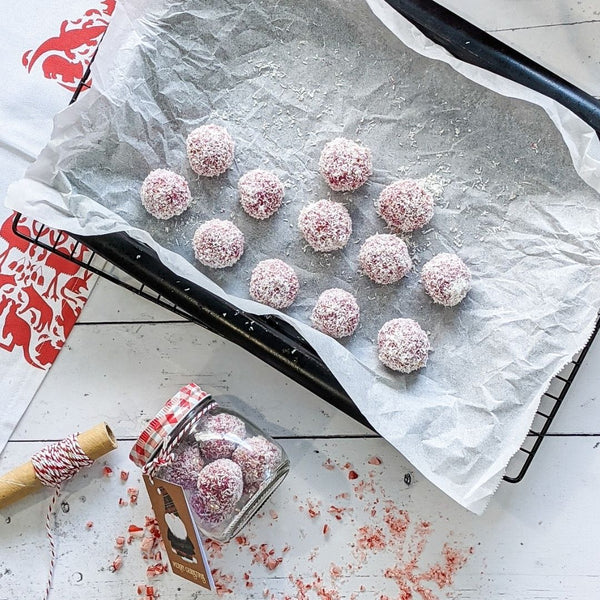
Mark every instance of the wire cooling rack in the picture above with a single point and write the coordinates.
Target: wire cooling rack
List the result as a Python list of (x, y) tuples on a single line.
[(71, 249)]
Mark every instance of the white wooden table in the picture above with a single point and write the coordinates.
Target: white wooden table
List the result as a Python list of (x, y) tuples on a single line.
[(538, 539)]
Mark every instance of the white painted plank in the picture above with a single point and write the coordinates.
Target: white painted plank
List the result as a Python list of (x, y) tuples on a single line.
[(124, 373), (537, 539), (493, 15), (112, 303)]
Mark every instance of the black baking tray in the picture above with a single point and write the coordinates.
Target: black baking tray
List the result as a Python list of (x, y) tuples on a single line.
[(273, 340)]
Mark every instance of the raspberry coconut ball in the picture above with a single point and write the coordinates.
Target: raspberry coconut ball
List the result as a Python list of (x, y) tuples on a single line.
[(165, 194), (261, 193), (405, 205), (446, 279), (345, 165), (336, 313), (403, 346), (218, 244), (210, 150), (258, 459), (221, 436), (384, 258), (325, 225), (185, 468), (274, 283), (220, 486)]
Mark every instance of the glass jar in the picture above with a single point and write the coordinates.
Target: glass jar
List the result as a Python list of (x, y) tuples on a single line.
[(226, 465)]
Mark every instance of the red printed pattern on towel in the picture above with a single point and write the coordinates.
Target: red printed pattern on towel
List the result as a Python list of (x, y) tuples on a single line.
[(41, 294), (66, 56)]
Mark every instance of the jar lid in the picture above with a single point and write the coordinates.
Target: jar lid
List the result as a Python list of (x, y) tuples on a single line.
[(163, 424)]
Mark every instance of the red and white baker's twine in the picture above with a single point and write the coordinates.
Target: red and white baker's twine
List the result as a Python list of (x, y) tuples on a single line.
[(165, 456), (52, 465)]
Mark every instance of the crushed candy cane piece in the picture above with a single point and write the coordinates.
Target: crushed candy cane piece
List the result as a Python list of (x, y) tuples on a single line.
[(116, 564), (123, 502), (133, 495), (124, 475), (89, 524), (374, 460), (352, 475), (119, 542), (134, 529), (107, 472)]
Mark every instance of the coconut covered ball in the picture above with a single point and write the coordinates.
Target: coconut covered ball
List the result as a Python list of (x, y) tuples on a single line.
[(325, 225), (446, 279), (210, 150), (345, 165), (218, 244), (274, 283), (403, 346), (220, 436), (258, 459), (405, 205), (165, 194), (261, 193), (384, 258), (220, 486), (185, 467), (336, 313)]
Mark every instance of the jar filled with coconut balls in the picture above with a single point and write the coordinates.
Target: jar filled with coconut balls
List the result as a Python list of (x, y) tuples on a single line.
[(226, 466)]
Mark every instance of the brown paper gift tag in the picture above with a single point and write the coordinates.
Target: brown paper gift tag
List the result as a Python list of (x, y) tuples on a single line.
[(179, 533)]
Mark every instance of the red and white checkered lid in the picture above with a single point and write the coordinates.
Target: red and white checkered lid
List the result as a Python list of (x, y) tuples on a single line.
[(163, 424)]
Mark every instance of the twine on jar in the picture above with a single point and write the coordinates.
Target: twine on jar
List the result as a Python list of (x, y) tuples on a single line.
[(165, 456)]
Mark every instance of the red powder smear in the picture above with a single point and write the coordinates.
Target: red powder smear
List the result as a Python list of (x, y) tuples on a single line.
[(363, 487), (370, 538), (374, 460), (335, 571), (222, 581), (107, 472), (124, 475), (443, 574), (329, 465), (265, 556), (213, 548), (352, 475)]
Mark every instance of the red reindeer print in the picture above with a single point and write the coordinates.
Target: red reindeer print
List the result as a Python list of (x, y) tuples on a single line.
[(65, 56), (36, 304), (18, 332)]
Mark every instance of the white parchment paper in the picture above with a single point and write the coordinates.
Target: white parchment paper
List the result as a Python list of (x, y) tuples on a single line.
[(285, 77)]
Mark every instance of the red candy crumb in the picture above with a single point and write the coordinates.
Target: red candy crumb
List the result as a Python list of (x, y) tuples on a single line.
[(89, 524), (133, 495), (374, 460), (124, 475), (119, 542), (116, 564), (107, 471), (352, 475)]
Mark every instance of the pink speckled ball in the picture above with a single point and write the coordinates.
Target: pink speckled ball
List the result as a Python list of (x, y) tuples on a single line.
[(220, 436), (185, 468), (220, 486), (384, 258), (165, 194), (336, 313), (405, 205), (345, 165), (446, 279), (274, 283), (403, 346), (261, 193), (325, 225), (258, 459), (210, 150), (218, 244)]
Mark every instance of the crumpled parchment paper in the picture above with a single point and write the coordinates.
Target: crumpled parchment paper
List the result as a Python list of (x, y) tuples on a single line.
[(286, 77)]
